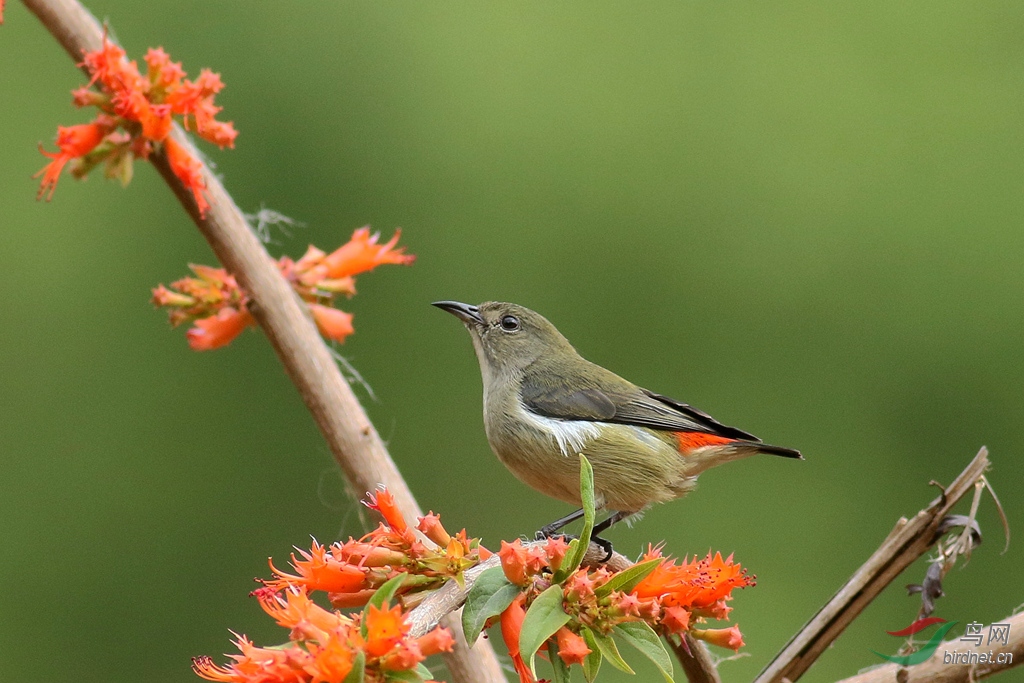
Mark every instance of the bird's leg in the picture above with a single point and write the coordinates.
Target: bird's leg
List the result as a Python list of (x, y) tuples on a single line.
[(605, 544), (613, 518), (549, 530)]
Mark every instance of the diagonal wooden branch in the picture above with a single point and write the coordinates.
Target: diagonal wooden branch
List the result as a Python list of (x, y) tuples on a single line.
[(909, 540), (953, 662), (348, 431)]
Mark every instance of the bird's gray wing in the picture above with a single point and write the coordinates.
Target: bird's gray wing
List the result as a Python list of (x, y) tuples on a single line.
[(709, 423), (616, 400), (568, 404)]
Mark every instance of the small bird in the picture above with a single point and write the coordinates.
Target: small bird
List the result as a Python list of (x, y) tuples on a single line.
[(544, 404)]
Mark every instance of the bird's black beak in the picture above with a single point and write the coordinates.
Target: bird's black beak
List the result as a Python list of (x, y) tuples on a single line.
[(464, 312)]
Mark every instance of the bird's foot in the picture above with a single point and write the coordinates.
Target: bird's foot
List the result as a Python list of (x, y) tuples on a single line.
[(549, 530), (606, 546), (545, 533)]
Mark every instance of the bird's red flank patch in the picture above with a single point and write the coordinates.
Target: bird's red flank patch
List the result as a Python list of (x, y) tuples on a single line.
[(691, 441)]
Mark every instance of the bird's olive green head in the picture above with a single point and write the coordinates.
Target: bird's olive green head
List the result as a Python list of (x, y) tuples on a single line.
[(507, 337)]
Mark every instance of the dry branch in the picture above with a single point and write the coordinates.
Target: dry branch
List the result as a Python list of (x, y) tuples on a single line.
[(697, 663), (909, 540), (353, 440), (936, 670)]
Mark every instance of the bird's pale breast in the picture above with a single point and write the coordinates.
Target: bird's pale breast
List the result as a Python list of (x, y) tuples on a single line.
[(633, 466)]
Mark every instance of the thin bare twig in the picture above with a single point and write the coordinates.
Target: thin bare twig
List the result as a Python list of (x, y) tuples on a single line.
[(909, 540), (952, 662), (348, 431)]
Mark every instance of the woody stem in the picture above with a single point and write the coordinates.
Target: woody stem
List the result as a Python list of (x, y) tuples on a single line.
[(909, 540), (352, 438)]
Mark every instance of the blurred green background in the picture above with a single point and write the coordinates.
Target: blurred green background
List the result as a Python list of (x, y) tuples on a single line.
[(804, 219)]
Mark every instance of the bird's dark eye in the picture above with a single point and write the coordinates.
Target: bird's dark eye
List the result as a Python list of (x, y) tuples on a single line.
[(510, 323)]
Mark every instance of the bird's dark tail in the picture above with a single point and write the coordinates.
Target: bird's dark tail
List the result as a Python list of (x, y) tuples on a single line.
[(779, 450)]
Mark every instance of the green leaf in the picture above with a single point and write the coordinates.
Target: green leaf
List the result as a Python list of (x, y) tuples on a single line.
[(642, 637), (592, 663), (358, 672), (611, 652), (560, 669), (490, 595), (570, 560), (383, 594), (578, 547), (627, 579), (587, 495), (424, 672), (408, 676), (544, 617)]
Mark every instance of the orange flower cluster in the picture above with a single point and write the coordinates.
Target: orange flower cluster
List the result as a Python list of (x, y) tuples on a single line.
[(324, 646), (136, 113), (671, 597), (389, 564), (695, 589), (351, 572), (218, 307), (581, 610)]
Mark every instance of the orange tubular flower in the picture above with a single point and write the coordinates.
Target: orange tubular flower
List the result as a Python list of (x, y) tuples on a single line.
[(369, 555), (332, 661), (437, 641), (165, 297), (205, 668), (431, 527), (406, 655), (384, 629), (383, 502), (676, 619), (109, 67), (513, 562), (218, 330), (555, 549), (362, 253), (332, 323), (347, 600), (189, 171), (571, 647), (297, 612), (722, 637), (163, 73), (74, 142), (256, 664), (156, 121), (319, 570), (511, 626)]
